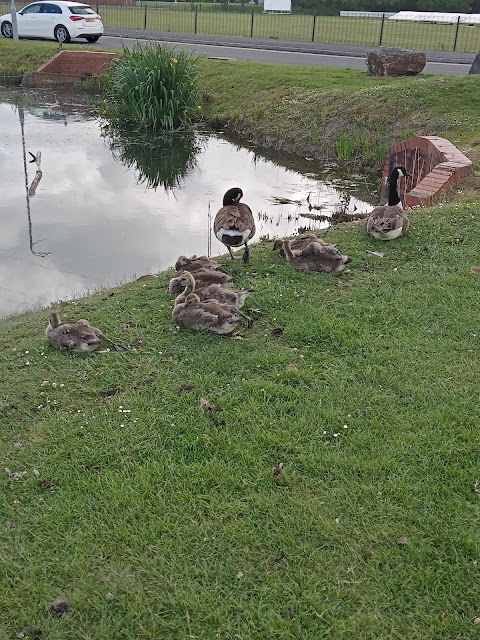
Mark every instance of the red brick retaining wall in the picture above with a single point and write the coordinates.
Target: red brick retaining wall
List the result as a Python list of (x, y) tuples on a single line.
[(435, 164), (68, 66)]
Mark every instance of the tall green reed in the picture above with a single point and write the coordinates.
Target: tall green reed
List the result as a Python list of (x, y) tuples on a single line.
[(152, 88)]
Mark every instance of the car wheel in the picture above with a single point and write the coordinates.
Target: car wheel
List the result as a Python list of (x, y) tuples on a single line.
[(7, 31), (92, 38), (61, 34)]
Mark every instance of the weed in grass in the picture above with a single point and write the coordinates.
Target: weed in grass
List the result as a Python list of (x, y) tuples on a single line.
[(344, 146)]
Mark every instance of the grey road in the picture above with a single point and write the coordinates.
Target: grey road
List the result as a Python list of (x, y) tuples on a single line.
[(281, 57)]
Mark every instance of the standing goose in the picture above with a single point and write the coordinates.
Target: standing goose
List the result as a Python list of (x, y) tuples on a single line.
[(77, 335), (388, 222), (234, 224), (316, 257)]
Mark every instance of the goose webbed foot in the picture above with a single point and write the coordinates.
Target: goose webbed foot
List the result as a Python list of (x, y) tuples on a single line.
[(246, 254), (120, 347), (247, 318), (231, 253), (255, 312)]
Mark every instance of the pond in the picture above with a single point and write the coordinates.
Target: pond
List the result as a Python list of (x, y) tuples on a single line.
[(104, 211)]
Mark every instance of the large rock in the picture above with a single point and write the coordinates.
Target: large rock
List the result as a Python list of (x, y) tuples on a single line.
[(475, 68), (395, 62)]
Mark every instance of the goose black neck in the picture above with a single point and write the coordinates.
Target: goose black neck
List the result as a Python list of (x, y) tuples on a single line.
[(393, 197)]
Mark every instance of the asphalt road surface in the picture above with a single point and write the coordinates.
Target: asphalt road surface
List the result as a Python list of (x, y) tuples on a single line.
[(282, 57)]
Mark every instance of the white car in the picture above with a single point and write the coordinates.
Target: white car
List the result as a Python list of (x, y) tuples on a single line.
[(60, 21)]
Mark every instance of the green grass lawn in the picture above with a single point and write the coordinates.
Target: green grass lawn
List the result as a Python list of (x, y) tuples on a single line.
[(155, 519), (324, 29)]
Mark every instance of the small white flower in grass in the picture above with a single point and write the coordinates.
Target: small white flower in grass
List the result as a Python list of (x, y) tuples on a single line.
[(345, 426), (35, 472), (240, 575), (122, 425), (324, 432), (61, 385), (337, 520), (335, 435)]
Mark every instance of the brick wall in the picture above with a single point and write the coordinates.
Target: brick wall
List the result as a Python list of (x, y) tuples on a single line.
[(435, 164), (77, 63)]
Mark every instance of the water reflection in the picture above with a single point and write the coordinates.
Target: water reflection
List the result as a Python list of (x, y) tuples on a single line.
[(164, 161), (30, 190), (97, 219)]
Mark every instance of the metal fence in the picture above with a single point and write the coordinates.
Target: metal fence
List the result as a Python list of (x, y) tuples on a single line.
[(251, 23)]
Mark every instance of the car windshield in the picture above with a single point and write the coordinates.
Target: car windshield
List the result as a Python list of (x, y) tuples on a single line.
[(82, 11)]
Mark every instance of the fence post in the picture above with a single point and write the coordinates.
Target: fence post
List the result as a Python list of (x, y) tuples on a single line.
[(195, 22), (313, 27), (145, 18), (381, 30), (251, 24), (456, 34)]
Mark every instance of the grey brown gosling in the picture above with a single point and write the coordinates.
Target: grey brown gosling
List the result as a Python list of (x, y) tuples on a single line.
[(234, 225), (316, 257), (211, 292), (388, 222), (193, 264), (203, 278), (297, 242), (211, 316), (79, 336)]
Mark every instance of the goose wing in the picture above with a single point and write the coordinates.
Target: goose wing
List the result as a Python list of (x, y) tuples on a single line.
[(385, 219), (235, 216)]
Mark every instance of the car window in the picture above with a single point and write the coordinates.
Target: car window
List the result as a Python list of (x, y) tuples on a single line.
[(32, 8), (50, 8), (82, 11)]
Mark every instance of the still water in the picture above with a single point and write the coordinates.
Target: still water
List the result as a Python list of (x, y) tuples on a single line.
[(106, 211)]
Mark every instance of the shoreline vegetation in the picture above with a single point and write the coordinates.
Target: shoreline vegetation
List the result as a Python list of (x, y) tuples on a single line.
[(317, 478), (321, 113)]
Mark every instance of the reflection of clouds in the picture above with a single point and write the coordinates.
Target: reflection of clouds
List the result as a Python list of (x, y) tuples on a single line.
[(102, 227)]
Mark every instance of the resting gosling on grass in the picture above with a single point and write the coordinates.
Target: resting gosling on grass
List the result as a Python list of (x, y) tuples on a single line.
[(316, 257), (78, 336), (193, 264), (203, 278), (210, 292), (297, 242), (211, 316), (234, 224), (388, 222)]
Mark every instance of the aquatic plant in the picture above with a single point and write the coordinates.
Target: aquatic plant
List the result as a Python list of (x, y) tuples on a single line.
[(152, 88)]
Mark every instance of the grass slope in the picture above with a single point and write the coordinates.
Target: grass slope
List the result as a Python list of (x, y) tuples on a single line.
[(311, 110), (156, 519)]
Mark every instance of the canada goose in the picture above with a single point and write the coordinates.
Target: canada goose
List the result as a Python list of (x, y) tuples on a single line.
[(297, 242), (234, 224), (316, 257), (388, 222), (209, 316), (78, 335), (203, 278), (210, 292), (193, 264)]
